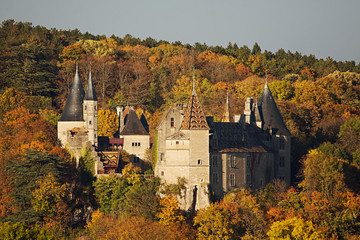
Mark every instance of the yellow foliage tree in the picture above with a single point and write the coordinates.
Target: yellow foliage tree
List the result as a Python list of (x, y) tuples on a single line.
[(108, 122), (170, 212), (214, 222), (294, 228)]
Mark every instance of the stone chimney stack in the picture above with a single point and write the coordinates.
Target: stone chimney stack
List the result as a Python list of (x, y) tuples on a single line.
[(120, 113), (248, 110)]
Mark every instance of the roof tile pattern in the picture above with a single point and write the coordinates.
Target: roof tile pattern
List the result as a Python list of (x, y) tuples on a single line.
[(194, 117)]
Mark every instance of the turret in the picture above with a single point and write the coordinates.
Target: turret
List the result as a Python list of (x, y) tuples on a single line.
[(90, 109), (73, 110)]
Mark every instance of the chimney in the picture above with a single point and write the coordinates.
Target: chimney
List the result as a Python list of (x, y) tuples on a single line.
[(119, 111), (248, 110)]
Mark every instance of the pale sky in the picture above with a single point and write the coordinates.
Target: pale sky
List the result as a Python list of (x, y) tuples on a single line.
[(320, 27)]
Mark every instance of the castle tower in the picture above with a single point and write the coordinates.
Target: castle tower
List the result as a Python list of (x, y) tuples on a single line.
[(72, 116), (280, 137), (90, 110), (136, 138), (194, 126)]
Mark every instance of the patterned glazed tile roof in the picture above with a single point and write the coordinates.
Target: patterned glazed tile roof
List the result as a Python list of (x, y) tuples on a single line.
[(194, 117)]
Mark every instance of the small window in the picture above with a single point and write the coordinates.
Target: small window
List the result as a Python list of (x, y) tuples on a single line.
[(94, 107), (162, 173), (138, 144), (89, 122), (282, 162), (232, 161), (94, 135), (232, 180), (282, 178), (199, 162), (282, 144), (85, 107), (172, 122), (177, 142)]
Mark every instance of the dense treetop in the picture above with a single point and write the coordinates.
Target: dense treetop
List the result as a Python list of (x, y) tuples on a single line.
[(318, 99)]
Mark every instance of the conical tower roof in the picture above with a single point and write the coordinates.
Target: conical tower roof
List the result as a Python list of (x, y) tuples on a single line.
[(144, 122), (194, 117), (90, 90), (133, 126), (270, 113), (73, 110)]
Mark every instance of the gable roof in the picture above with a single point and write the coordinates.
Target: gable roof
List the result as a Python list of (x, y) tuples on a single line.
[(73, 110), (270, 113), (133, 126)]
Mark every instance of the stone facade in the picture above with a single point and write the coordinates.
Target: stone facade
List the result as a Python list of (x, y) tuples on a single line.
[(78, 124), (218, 157)]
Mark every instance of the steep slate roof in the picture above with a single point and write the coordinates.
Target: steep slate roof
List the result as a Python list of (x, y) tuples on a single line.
[(73, 110), (194, 117), (90, 90), (232, 137), (133, 126), (144, 122), (270, 113)]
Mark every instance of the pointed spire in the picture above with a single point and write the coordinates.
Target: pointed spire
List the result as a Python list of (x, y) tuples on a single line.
[(193, 91), (194, 116), (266, 83), (227, 96), (226, 116), (269, 112), (73, 110), (90, 89)]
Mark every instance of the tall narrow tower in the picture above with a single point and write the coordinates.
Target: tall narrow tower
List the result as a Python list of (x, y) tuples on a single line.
[(90, 110)]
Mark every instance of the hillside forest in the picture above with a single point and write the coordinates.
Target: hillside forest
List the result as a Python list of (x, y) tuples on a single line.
[(43, 195)]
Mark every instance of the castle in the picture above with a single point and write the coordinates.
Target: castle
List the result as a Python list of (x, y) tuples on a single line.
[(211, 157)]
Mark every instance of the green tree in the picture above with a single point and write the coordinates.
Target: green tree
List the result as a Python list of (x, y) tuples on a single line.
[(323, 173), (27, 173)]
